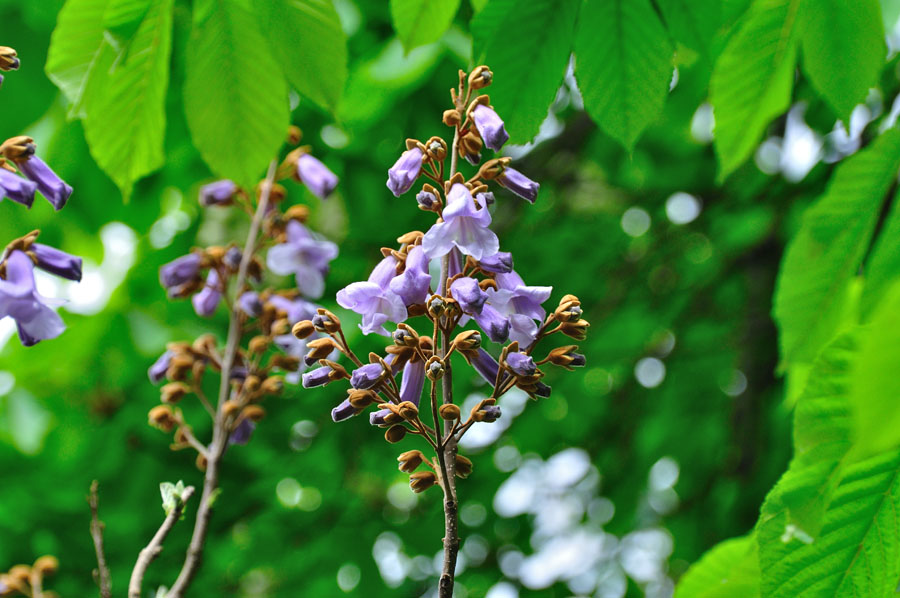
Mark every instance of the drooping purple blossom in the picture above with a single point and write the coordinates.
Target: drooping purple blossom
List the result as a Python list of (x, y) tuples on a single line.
[(519, 184), (158, 370), (218, 193), (491, 413), (413, 381), (367, 376), (34, 315), (304, 255), (242, 433), (232, 258), (250, 304), (16, 188), (343, 411), (295, 309), (180, 271), (405, 171), (317, 377), (412, 285), (468, 294), (207, 300), (316, 176), (48, 182), (490, 127), (494, 323), (57, 262), (376, 418), (499, 263), (521, 364), (486, 366), (374, 300), (464, 226)]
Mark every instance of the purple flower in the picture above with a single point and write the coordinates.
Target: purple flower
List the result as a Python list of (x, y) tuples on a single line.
[(412, 382), (219, 193), (366, 376), (491, 413), (494, 323), (405, 171), (304, 255), (242, 433), (426, 199), (376, 418), (316, 176), (295, 309), (317, 377), (486, 366), (180, 271), (16, 188), (526, 299), (412, 285), (521, 364), (519, 184), (250, 304), (57, 262), (456, 263), (463, 226), (232, 258), (374, 300), (207, 300), (343, 411), (49, 184), (34, 316), (499, 263), (157, 371), (485, 198), (468, 294), (490, 127)]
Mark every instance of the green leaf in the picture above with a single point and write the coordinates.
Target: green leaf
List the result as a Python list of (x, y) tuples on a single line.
[(858, 551), (76, 48), (752, 80), (693, 22), (307, 39), (123, 17), (527, 45), (125, 118), (623, 63), (882, 267), (235, 95), (729, 570), (843, 50), (876, 384), (824, 256), (420, 22), (477, 5)]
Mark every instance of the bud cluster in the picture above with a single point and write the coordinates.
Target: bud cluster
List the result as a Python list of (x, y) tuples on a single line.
[(28, 580)]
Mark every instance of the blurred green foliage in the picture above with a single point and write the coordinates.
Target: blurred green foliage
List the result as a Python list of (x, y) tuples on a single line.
[(681, 411)]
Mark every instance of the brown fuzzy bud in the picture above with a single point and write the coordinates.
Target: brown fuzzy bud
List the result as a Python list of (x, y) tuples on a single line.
[(480, 77), (434, 368), (410, 460), (449, 412), (201, 462), (277, 192), (392, 418), (18, 148), (173, 392), (254, 412), (162, 418), (463, 466), (288, 363), (470, 146), (452, 118), (198, 369), (422, 481), (360, 399), (215, 253), (273, 385), (395, 433), (294, 135), (280, 326), (410, 238), (326, 321), (319, 349), (468, 340), (569, 309), (566, 357), (436, 306), (19, 574), (230, 408), (8, 59), (303, 329), (251, 383), (436, 149), (576, 330), (258, 344), (408, 410), (337, 370), (298, 212), (405, 336)]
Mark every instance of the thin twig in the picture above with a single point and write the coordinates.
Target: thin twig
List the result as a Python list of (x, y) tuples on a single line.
[(104, 578), (220, 433), (152, 550)]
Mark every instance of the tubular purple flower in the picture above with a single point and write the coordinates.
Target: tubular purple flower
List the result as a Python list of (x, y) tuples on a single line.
[(494, 323), (464, 227), (491, 413), (295, 309), (57, 262), (485, 198), (499, 263), (413, 382), (207, 300), (316, 176), (33, 313), (542, 390), (304, 255), (219, 193), (317, 377), (367, 376), (468, 294), (456, 263), (157, 371), (374, 300), (16, 188), (490, 127), (486, 366), (242, 433), (405, 171), (412, 285), (49, 184), (344, 411), (521, 364), (426, 199), (232, 258), (180, 271), (250, 304), (526, 299), (519, 184), (376, 418)]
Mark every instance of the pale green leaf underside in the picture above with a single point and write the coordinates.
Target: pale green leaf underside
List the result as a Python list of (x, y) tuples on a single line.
[(623, 63), (420, 22)]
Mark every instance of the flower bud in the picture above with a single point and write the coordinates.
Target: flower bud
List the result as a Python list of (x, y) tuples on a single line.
[(410, 460), (569, 309), (8, 59), (319, 349), (299, 213), (436, 306), (422, 481), (201, 462), (463, 466), (360, 399), (566, 357), (520, 364), (258, 344), (252, 383), (408, 410), (46, 565), (20, 574), (173, 392), (434, 368), (20, 147), (480, 77), (395, 433), (325, 321), (219, 193), (254, 413), (280, 326), (303, 329), (230, 408), (288, 363), (449, 412), (272, 385), (470, 340), (470, 146), (576, 330), (436, 149), (452, 118), (162, 418)]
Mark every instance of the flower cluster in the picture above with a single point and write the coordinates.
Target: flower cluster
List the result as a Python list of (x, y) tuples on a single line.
[(212, 276), (28, 580), (477, 283)]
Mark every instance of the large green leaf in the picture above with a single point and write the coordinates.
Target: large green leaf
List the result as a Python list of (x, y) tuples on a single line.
[(420, 22), (527, 45), (693, 22), (729, 570), (125, 120), (123, 18), (623, 62), (843, 50), (858, 550), (826, 253), (876, 384), (752, 80), (307, 39), (235, 95), (882, 267)]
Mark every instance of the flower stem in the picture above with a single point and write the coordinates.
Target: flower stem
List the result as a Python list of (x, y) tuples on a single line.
[(220, 432)]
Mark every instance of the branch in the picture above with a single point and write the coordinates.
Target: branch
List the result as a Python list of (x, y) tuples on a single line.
[(220, 432), (103, 576), (152, 550)]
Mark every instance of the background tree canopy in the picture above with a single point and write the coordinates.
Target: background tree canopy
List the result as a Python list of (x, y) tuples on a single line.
[(718, 187)]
